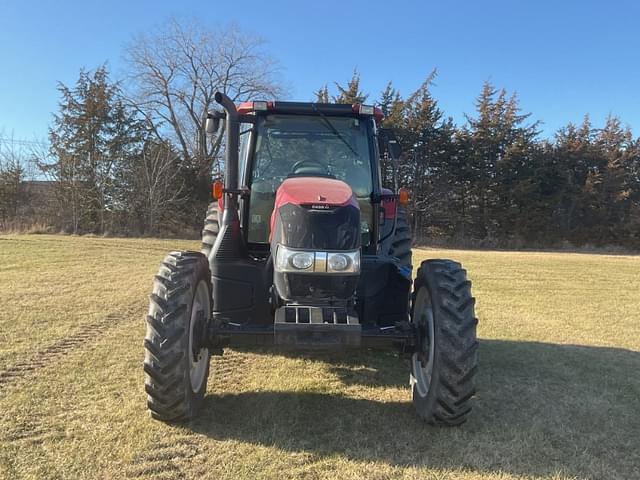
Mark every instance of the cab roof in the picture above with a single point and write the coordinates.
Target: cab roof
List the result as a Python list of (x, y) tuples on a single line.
[(310, 108)]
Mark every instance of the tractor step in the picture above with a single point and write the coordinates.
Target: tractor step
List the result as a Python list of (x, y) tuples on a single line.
[(316, 327)]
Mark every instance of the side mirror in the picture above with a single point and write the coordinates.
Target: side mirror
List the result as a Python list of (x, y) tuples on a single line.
[(387, 142), (393, 147), (212, 125)]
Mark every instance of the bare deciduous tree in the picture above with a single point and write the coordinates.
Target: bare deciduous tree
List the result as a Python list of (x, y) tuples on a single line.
[(175, 72), (158, 184)]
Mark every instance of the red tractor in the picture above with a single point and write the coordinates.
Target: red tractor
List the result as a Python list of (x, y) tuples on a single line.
[(305, 249)]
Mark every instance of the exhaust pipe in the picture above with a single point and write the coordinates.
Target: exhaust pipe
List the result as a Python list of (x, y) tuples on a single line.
[(231, 151), (229, 245)]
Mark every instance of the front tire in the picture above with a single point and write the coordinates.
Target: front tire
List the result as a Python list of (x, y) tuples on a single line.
[(211, 229), (401, 245), (176, 364), (444, 367)]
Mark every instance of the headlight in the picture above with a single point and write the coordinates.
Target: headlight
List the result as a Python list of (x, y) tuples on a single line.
[(302, 261), (288, 260), (343, 262), (338, 262)]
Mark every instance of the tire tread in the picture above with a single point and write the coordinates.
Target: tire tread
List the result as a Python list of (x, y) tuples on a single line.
[(448, 401), (167, 383)]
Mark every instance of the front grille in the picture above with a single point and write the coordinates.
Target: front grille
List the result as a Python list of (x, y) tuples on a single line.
[(315, 315), (316, 327)]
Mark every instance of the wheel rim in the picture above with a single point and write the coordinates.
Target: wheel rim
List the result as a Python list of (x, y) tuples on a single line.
[(200, 312), (422, 361)]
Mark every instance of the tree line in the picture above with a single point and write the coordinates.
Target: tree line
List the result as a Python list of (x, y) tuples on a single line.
[(493, 181), (132, 157)]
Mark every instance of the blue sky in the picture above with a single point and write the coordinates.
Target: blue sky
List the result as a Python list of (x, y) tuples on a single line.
[(564, 58)]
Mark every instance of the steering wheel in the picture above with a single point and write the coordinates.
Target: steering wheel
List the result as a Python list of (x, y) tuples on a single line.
[(308, 167)]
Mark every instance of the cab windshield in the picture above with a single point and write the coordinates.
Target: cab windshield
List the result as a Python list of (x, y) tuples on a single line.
[(296, 145)]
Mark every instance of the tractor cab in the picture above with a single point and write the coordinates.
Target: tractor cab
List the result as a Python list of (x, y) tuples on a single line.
[(287, 140)]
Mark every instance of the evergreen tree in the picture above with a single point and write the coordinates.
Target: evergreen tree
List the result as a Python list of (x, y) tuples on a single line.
[(611, 202), (392, 106), (351, 93), (322, 95), (92, 134), (501, 149), (575, 156), (632, 167), (427, 138)]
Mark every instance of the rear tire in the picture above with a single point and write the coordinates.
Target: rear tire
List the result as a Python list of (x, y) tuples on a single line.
[(401, 245), (211, 229), (175, 364), (443, 369)]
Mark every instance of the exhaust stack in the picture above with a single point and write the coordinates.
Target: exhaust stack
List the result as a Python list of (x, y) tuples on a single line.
[(231, 152), (229, 245)]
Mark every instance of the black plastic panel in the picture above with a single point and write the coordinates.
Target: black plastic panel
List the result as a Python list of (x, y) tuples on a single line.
[(304, 227), (315, 289), (382, 296)]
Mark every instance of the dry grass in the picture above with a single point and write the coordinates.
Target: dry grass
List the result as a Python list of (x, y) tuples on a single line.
[(559, 384)]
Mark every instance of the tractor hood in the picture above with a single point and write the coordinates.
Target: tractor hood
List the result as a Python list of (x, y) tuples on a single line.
[(315, 213), (319, 191), (315, 240)]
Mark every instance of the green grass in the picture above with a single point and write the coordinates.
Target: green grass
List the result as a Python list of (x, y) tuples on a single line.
[(559, 384)]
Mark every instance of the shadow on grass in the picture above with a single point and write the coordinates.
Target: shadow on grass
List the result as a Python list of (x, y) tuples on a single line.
[(541, 409), (379, 368)]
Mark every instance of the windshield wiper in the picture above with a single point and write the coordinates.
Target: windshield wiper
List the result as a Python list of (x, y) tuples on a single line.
[(333, 129)]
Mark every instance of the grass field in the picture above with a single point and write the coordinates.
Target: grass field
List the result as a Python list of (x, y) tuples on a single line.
[(558, 388)]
